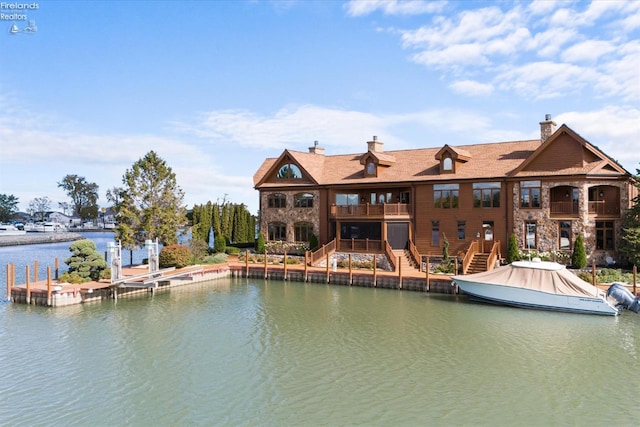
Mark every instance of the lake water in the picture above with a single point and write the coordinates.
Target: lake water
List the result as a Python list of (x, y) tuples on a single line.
[(238, 352)]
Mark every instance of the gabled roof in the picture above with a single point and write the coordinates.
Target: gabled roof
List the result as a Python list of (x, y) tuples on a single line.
[(382, 159), (456, 153), (475, 162), (311, 165), (571, 154)]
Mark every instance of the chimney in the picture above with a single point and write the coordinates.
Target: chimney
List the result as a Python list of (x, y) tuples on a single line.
[(375, 145), (547, 128), (316, 149)]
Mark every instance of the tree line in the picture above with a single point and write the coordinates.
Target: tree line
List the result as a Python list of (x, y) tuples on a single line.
[(230, 221)]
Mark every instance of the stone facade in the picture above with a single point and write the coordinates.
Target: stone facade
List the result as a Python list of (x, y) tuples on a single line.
[(289, 215), (547, 229)]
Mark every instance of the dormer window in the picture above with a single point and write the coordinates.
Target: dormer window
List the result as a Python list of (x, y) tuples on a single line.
[(371, 168), (447, 164), (451, 157)]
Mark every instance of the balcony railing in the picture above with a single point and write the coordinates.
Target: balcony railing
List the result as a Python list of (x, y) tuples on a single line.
[(604, 208), (595, 208), (565, 208), (368, 210)]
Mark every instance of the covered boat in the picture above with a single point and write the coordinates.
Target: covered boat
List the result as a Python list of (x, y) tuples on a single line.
[(537, 284)]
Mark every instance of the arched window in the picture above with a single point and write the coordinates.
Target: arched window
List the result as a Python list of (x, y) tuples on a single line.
[(289, 171), (371, 168), (447, 164), (277, 231), (303, 231), (277, 200), (303, 200)]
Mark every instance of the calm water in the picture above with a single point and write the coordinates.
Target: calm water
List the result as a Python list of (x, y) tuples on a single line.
[(239, 352)]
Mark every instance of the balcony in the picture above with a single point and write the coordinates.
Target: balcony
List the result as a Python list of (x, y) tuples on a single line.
[(604, 209), (599, 208), (565, 208), (377, 211)]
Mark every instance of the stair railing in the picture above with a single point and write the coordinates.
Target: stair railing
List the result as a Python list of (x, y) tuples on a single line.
[(415, 255), (322, 252), (468, 257), (494, 255), (388, 251)]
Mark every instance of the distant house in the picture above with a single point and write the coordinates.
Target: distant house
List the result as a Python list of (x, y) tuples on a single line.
[(546, 191), (59, 218)]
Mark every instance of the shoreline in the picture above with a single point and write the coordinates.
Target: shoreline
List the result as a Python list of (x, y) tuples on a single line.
[(38, 238)]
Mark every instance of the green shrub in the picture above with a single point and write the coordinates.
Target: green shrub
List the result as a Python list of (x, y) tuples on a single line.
[(215, 259), (72, 277), (260, 244), (232, 250), (579, 256), (219, 244), (313, 242), (512, 249), (177, 256)]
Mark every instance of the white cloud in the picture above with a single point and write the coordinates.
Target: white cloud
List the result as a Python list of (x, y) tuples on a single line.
[(393, 7), (587, 51), (536, 51), (472, 88)]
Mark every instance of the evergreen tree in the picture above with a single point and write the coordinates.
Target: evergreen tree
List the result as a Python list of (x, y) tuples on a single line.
[(260, 244), (579, 256), (630, 236), (512, 249), (86, 261), (8, 207), (149, 205)]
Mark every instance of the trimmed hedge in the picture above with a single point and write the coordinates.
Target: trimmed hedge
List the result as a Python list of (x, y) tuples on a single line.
[(177, 256)]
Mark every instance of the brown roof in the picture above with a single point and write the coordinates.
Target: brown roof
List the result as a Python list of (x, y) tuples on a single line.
[(483, 161)]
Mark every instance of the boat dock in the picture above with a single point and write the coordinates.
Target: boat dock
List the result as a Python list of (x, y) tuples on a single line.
[(138, 280)]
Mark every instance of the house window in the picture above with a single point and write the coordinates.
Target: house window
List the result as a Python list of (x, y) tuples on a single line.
[(277, 200), (277, 231), (435, 233), (462, 230), (346, 199), (371, 168), (289, 171), (530, 194), (447, 164), (445, 195), (303, 231), (303, 200), (604, 235), (530, 233), (486, 195), (565, 235)]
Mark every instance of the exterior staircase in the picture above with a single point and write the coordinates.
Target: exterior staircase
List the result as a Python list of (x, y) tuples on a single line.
[(478, 263), (407, 265)]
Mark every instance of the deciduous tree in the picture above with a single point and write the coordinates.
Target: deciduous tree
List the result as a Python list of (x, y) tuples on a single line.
[(83, 195), (39, 207)]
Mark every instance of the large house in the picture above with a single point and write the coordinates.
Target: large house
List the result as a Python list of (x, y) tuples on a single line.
[(546, 191)]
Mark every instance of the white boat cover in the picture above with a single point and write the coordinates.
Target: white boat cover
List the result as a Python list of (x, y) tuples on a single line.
[(549, 277)]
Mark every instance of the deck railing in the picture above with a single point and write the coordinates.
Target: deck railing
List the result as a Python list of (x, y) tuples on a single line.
[(359, 245), (322, 252), (369, 210)]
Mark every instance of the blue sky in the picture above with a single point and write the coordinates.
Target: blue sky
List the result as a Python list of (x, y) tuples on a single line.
[(216, 87)]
